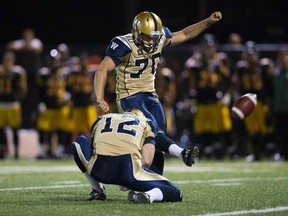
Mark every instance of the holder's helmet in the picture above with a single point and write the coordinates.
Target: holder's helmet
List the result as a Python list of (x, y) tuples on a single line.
[(135, 111), (147, 26)]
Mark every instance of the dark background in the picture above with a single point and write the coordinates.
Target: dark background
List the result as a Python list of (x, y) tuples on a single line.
[(96, 22)]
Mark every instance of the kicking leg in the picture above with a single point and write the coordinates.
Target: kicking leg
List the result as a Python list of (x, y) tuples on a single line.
[(168, 145)]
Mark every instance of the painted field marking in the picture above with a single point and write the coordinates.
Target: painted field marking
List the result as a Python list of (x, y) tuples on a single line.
[(36, 169), (216, 182), (251, 211), (43, 187), (33, 169), (70, 184), (229, 180)]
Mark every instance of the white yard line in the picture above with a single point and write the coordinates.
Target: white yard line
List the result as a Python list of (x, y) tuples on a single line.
[(36, 169), (72, 184), (243, 212), (228, 180), (203, 169), (32, 169), (251, 211), (44, 187)]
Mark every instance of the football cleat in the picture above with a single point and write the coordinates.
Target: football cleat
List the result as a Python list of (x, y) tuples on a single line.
[(98, 194), (139, 197), (189, 155)]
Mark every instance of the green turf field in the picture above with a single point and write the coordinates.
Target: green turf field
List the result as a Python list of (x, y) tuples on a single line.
[(210, 188)]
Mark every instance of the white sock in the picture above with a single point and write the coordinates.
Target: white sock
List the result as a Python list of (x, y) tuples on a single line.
[(94, 184), (155, 194), (175, 150)]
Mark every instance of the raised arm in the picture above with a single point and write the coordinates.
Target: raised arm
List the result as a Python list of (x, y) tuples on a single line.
[(195, 29), (106, 66)]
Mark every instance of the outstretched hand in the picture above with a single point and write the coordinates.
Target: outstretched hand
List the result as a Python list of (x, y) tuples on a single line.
[(215, 17)]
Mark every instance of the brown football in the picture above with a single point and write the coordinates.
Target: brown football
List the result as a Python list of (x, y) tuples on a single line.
[(244, 106)]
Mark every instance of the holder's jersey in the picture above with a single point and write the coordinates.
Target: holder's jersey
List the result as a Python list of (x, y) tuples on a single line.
[(134, 67), (118, 134)]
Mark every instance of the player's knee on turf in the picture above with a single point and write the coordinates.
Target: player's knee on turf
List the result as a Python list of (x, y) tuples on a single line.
[(171, 194)]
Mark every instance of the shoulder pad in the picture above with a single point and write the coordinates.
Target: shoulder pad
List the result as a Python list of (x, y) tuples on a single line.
[(118, 47)]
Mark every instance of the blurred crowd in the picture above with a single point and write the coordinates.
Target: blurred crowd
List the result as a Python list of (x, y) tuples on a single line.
[(56, 97)]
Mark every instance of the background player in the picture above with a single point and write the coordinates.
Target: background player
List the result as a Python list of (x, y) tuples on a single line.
[(13, 89), (80, 85), (54, 121)]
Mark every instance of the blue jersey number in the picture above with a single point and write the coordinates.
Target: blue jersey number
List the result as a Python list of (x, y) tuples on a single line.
[(144, 62), (120, 127)]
